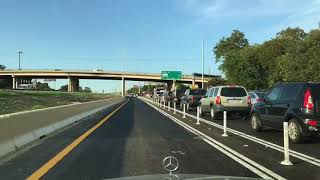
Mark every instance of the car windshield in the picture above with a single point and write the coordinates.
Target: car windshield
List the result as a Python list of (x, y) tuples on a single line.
[(158, 89), (233, 92)]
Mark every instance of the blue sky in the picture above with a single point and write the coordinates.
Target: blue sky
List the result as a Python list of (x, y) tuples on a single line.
[(157, 35)]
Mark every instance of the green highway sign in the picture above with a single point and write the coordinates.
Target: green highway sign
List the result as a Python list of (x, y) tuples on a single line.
[(171, 75)]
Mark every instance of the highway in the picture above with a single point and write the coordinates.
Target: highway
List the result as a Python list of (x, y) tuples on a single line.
[(134, 139)]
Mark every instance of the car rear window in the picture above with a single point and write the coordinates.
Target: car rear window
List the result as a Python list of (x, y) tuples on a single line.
[(233, 92), (261, 94), (198, 92), (252, 95), (180, 91)]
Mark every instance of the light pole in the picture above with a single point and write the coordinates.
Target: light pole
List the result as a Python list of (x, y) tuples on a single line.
[(123, 85), (202, 63), (19, 52)]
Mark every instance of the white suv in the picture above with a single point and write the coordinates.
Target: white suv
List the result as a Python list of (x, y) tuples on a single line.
[(233, 99)]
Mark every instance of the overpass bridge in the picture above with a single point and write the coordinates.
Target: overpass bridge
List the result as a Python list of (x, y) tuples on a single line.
[(73, 76)]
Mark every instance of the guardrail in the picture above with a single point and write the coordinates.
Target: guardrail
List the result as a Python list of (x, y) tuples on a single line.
[(19, 129)]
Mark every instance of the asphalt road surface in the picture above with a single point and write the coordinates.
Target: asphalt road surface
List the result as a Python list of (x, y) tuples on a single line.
[(132, 142), (136, 140)]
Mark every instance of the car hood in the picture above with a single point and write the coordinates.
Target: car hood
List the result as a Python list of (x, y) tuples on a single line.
[(181, 177)]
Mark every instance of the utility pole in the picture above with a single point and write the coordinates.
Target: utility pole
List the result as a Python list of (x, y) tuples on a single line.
[(19, 52), (202, 64), (123, 82)]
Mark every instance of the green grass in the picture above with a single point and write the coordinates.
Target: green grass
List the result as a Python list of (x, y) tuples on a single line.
[(15, 101)]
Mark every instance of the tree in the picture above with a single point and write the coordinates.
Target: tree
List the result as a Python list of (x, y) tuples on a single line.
[(227, 45), (87, 90), (5, 83), (2, 67), (43, 86), (64, 88), (216, 82), (227, 52), (293, 55)]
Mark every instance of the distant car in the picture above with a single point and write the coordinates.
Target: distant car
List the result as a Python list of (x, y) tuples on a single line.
[(166, 96), (191, 98), (233, 99), (296, 103), (177, 94), (257, 96), (97, 70)]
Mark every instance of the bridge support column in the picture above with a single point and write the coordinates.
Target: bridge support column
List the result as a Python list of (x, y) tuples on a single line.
[(14, 82), (193, 84), (123, 87), (73, 84)]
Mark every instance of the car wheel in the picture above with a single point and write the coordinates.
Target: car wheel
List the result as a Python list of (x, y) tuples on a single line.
[(256, 123), (295, 131)]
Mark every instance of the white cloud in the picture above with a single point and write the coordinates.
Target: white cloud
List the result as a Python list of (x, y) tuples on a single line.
[(305, 14)]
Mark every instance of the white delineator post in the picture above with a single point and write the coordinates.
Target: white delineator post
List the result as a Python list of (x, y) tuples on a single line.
[(224, 124), (184, 111), (169, 106), (286, 160), (174, 107), (198, 115), (164, 104)]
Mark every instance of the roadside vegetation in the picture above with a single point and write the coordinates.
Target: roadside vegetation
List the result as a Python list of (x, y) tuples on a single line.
[(292, 55), (15, 101)]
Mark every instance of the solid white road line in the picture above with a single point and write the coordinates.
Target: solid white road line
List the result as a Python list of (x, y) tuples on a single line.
[(298, 155), (246, 162)]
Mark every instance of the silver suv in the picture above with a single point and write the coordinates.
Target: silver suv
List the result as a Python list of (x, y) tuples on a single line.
[(233, 99)]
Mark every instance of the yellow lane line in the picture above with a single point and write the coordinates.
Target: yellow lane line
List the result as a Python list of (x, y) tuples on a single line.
[(55, 160)]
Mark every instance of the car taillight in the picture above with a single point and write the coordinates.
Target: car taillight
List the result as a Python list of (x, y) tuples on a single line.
[(312, 123), (193, 98), (218, 100), (249, 100), (308, 102)]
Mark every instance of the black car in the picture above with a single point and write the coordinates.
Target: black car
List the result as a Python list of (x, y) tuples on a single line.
[(191, 98), (297, 103)]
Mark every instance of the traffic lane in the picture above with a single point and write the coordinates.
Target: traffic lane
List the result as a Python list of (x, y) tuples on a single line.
[(261, 154), (24, 164), (134, 142), (310, 147)]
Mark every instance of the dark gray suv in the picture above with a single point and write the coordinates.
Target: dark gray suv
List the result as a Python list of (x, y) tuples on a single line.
[(298, 103)]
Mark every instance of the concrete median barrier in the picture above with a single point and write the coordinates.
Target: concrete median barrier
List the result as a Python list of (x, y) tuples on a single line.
[(19, 129)]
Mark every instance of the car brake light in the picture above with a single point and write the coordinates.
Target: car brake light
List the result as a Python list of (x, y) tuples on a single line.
[(249, 100), (308, 102), (259, 100), (218, 100), (193, 98), (312, 123)]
